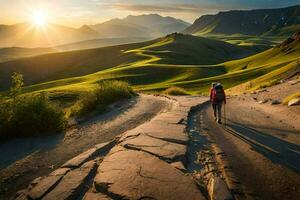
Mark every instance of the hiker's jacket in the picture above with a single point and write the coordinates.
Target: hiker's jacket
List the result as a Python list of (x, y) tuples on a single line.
[(213, 95)]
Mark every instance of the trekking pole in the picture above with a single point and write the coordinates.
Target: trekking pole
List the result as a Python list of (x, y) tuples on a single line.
[(225, 115)]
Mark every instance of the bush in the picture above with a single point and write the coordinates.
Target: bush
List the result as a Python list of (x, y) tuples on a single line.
[(30, 115), (107, 92), (176, 91)]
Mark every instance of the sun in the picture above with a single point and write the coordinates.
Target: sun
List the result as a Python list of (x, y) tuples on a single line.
[(39, 18)]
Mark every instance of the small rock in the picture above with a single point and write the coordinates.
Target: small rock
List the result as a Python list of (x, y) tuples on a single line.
[(294, 102), (263, 101), (262, 90), (217, 189), (51, 167), (254, 98), (293, 82), (275, 102)]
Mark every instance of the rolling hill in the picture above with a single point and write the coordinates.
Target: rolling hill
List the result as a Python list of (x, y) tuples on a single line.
[(156, 66), (175, 49), (97, 43), (264, 22)]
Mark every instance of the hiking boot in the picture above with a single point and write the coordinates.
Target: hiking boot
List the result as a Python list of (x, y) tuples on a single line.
[(219, 122)]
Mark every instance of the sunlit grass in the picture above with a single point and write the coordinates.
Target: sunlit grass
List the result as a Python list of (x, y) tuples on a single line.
[(152, 68)]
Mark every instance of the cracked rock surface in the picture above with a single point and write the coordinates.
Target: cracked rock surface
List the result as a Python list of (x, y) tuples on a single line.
[(148, 162), (131, 174)]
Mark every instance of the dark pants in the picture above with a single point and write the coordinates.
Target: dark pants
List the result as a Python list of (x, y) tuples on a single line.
[(217, 110)]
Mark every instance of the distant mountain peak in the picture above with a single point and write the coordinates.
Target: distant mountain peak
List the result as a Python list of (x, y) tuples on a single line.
[(278, 21), (147, 25)]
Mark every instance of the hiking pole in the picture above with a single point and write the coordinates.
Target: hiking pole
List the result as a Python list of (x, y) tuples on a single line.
[(225, 115)]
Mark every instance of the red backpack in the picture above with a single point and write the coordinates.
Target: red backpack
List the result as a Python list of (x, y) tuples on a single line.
[(219, 95)]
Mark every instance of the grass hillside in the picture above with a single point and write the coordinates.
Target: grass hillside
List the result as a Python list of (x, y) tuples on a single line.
[(175, 61), (163, 53)]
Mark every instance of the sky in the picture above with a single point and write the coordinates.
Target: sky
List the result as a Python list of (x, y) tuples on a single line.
[(78, 12)]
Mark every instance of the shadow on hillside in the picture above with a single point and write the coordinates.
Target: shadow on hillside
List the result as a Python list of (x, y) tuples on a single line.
[(277, 150), (17, 149)]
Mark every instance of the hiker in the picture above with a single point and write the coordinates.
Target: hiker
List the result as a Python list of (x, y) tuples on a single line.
[(217, 97)]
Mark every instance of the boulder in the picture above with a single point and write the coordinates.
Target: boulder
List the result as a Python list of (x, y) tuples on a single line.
[(294, 102)]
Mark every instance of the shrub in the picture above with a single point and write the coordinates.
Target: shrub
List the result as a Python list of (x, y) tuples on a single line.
[(107, 92), (176, 91), (30, 115)]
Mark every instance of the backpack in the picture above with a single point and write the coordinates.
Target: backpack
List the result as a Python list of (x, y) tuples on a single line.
[(219, 93)]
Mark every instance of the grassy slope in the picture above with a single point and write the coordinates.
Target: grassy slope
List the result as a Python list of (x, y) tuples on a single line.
[(164, 63), (162, 53)]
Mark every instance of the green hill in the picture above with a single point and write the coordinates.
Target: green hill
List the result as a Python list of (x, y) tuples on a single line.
[(175, 49), (176, 60)]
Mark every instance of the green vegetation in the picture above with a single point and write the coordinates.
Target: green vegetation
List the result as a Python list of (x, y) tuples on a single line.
[(188, 62), (107, 92), (249, 40), (28, 115), (176, 91)]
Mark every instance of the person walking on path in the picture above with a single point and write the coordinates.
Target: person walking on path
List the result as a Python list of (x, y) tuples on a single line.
[(217, 98)]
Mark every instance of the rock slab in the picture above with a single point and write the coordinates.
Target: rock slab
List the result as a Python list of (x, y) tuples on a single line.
[(72, 184), (123, 175)]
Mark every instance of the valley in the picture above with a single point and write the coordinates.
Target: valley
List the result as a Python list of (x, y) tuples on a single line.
[(130, 96)]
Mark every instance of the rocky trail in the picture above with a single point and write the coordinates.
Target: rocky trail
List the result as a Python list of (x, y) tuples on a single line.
[(23, 160), (152, 161), (180, 152)]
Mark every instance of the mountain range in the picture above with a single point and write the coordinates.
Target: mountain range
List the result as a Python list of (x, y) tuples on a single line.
[(146, 26), (150, 26), (262, 22)]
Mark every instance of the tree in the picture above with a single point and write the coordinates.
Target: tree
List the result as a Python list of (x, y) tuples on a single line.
[(17, 82)]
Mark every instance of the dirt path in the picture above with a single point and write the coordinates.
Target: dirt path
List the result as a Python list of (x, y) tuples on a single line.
[(26, 159), (262, 146)]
